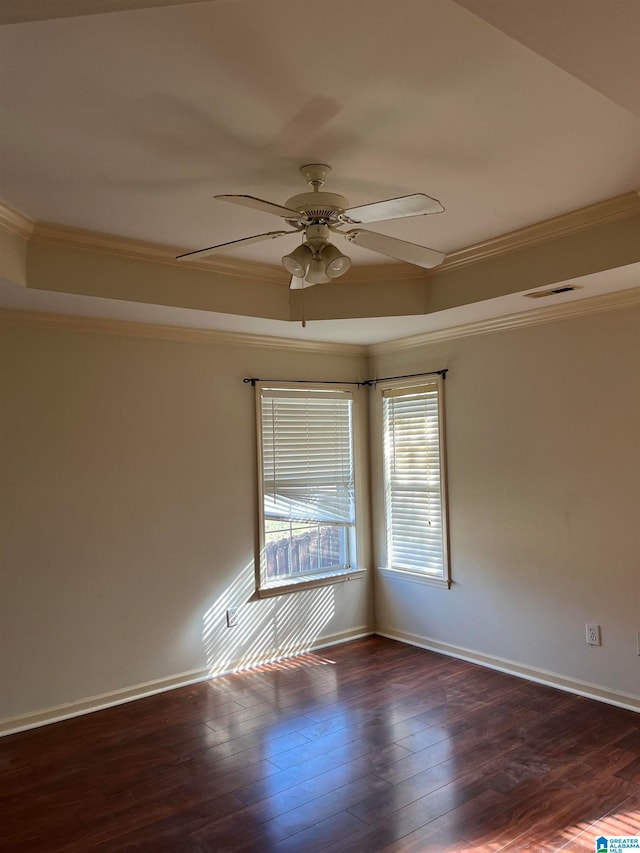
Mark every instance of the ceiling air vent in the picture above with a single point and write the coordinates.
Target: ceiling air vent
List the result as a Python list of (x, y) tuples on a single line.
[(540, 294)]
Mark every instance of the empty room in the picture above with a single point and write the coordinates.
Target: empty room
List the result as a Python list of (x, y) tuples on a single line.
[(319, 426)]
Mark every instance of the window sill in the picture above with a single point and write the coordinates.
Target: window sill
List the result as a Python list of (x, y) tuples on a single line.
[(287, 586), (415, 577)]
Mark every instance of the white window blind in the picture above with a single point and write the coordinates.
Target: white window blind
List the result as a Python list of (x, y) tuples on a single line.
[(413, 479), (307, 455), (307, 475)]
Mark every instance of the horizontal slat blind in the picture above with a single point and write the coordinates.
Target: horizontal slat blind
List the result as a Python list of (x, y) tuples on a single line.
[(307, 457), (413, 492)]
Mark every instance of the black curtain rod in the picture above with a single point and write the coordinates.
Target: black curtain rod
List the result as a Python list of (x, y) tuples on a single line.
[(254, 379), (367, 383), (442, 373)]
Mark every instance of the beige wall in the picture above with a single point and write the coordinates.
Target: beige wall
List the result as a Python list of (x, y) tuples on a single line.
[(128, 507), (128, 494), (543, 446)]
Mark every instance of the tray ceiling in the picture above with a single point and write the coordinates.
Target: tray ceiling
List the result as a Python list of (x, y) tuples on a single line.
[(128, 121)]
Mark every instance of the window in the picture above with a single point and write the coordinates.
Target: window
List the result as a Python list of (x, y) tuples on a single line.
[(414, 481), (307, 493)]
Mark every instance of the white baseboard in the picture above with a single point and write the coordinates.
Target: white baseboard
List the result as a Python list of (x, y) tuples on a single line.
[(11, 725), (510, 667)]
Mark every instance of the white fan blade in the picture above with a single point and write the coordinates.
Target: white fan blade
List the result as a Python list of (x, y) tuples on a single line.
[(245, 241), (299, 283), (260, 204), (395, 208), (394, 248)]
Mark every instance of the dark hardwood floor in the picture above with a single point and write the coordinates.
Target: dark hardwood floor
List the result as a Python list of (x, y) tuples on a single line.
[(368, 746)]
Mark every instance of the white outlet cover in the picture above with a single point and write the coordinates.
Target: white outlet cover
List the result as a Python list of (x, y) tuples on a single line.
[(593, 635)]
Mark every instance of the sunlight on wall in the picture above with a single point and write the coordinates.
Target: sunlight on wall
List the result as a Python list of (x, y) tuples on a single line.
[(267, 629)]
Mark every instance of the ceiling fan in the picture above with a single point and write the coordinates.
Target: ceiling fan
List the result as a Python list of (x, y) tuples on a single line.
[(318, 214)]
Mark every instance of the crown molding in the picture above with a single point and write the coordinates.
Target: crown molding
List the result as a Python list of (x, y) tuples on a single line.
[(132, 329), (16, 223), (67, 237), (126, 328), (601, 213), (576, 308)]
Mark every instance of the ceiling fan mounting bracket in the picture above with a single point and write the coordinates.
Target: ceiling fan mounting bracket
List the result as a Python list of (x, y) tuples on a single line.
[(315, 174)]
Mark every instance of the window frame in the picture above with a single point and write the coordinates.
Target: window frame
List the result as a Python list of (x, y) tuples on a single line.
[(402, 387), (268, 587)]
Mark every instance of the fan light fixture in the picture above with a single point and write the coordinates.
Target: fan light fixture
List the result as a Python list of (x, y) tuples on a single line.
[(297, 262), (317, 273), (336, 264), (316, 264)]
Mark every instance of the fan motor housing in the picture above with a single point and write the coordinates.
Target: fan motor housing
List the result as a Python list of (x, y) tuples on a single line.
[(319, 207)]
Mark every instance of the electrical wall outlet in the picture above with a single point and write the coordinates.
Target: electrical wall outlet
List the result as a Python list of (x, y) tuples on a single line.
[(638, 643), (232, 617), (593, 635)]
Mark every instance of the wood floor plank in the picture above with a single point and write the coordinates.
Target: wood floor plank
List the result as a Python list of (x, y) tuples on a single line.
[(330, 770), (315, 837), (536, 818), (417, 816), (366, 747), (630, 742), (630, 771), (623, 819), (446, 833), (553, 831)]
